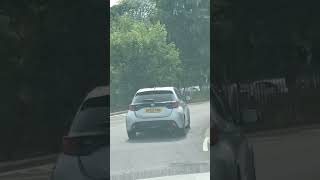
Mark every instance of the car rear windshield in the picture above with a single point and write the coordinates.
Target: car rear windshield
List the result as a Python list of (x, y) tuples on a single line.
[(93, 116), (101, 101), (153, 96), (91, 120)]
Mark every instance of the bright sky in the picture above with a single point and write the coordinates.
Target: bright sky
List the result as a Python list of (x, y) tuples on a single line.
[(113, 2)]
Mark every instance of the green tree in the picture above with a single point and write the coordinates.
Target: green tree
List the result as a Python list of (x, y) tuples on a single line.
[(141, 57), (141, 10), (188, 25)]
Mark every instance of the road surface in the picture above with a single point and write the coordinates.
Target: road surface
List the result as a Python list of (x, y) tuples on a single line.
[(34, 173), (159, 149), (293, 155)]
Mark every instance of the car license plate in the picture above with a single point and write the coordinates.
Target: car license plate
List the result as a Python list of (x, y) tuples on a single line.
[(153, 110)]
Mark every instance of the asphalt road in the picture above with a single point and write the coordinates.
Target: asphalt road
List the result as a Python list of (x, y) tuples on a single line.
[(159, 149), (293, 155), (34, 173)]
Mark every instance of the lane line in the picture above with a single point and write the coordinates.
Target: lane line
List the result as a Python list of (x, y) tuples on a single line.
[(25, 170), (42, 177), (118, 115), (205, 144)]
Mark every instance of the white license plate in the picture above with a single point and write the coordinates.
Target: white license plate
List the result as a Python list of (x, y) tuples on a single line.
[(152, 110)]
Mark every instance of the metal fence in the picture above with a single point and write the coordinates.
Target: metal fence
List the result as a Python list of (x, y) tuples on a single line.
[(278, 105)]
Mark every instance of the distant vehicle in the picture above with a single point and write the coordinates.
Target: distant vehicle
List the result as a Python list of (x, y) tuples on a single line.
[(157, 108), (232, 157), (266, 88), (190, 89), (86, 147), (194, 89)]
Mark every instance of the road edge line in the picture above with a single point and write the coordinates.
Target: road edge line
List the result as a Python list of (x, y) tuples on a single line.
[(282, 130), (27, 163)]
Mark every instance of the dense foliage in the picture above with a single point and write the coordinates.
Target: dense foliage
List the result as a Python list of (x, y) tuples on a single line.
[(158, 43), (140, 57)]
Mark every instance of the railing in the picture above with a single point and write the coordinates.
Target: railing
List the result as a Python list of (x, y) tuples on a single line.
[(277, 105)]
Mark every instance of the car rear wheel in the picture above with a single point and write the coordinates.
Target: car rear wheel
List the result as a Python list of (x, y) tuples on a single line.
[(182, 131), (188, 126), (132, 134)]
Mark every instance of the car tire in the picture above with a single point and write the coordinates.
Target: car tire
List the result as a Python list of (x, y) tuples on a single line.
[(131, 134), (182, 131), (189, 122)]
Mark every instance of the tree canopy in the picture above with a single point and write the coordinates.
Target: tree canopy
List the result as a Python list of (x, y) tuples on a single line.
[(141, 56), (188, 25), (159, 43)]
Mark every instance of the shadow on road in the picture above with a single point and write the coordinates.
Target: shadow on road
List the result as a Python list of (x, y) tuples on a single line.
[(157, 136)]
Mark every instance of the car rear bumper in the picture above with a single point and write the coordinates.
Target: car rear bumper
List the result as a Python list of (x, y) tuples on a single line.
[(175, 120), (150, 125), (67, 168), (94, 166)]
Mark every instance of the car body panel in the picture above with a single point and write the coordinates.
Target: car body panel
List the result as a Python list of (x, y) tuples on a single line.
[(68, 167), (164, 112), (232, 156), (96, 163), (177, 116), (180, 115), (223, 161)]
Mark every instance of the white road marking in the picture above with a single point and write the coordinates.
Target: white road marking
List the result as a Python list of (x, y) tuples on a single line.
[(119, 115), (206, 144), (47, 167), (23, 177)]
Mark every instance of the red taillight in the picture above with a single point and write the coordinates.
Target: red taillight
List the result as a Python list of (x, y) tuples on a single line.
[(131, 107), (71, 146), (175, 104), (84, 145), (172, 105)]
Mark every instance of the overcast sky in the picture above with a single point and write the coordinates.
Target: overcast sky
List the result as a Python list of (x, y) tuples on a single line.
[(113, 2)]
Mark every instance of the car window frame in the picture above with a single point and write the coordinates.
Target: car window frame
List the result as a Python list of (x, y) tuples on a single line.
[(74, 128), (137, 94)]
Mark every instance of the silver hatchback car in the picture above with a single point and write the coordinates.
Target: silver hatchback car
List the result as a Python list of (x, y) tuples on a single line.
[(86, 147), (157, 108)]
